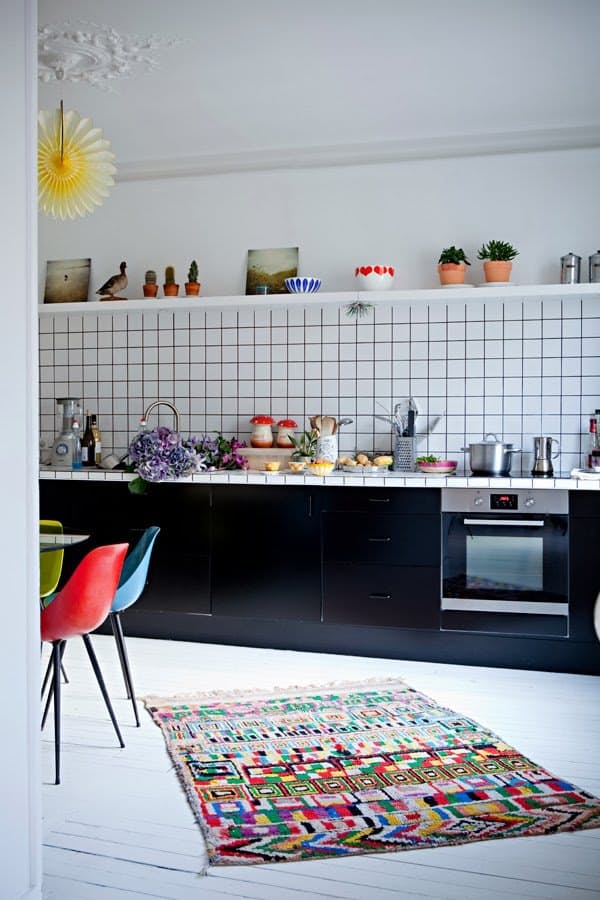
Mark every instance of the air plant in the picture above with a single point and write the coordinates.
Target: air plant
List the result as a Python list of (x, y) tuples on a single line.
[(358, 309)]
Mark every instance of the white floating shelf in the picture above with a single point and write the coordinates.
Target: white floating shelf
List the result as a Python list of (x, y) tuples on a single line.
[(339, 298)]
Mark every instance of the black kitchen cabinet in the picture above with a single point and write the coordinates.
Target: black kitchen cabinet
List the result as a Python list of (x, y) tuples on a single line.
[(381, 557), (178, 579), (584, 563), (265, 553)]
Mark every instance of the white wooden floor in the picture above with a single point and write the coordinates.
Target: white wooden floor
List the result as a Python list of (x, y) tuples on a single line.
[(119, 825)]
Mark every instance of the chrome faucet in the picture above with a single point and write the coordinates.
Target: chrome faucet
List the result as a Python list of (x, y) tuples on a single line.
[(164, 403)]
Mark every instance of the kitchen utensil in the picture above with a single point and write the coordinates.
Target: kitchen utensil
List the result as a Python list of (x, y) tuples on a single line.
[(543, 456), (594, 267), (490, 457), (570, 268), (62, 448)]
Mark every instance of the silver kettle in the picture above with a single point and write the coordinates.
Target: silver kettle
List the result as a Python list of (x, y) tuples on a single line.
[(543, 456)]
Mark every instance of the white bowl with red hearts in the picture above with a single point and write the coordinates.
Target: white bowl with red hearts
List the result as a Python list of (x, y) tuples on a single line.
[(374, 278)]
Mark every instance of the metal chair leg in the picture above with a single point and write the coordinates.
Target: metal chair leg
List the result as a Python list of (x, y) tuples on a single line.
[(102, 686), (115, 621), (57, 648), (49, 671)]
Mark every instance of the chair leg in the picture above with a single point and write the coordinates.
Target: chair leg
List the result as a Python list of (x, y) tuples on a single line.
[(102, 686), (115, 621), (50, 671), (64, 673)]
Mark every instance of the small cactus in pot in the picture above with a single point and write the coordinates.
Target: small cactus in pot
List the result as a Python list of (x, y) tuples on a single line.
[(150, 286), (192, 285), (170, 287)]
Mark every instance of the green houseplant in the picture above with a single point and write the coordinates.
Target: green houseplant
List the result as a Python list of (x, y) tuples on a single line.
[(498, 257), (304, 446), (452, 265), (192, 285), (170, 288)]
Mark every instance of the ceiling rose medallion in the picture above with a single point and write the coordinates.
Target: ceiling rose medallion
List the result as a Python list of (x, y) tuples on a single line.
[(95, 54)]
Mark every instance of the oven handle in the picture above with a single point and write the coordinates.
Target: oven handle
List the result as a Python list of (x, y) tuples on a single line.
[(528, 523)]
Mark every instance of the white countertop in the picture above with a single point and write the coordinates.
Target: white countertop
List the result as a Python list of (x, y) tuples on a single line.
[(343, 479)]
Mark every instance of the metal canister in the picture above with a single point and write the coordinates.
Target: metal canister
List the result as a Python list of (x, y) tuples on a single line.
[(594, 262), (570, 268)]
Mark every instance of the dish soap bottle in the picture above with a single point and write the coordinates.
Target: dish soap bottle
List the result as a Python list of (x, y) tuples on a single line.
[(76, 462)]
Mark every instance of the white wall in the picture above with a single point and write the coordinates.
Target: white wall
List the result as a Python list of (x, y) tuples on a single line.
[(19, 641), (403, 214)]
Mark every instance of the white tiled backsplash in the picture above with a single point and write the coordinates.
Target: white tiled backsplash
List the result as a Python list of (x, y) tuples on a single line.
[(517, 368)]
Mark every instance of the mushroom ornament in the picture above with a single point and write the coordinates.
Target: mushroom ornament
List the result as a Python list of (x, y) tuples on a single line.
[(285, 427), (262, 435)]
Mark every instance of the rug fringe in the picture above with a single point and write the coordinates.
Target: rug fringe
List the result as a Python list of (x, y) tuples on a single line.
[(268, 692)]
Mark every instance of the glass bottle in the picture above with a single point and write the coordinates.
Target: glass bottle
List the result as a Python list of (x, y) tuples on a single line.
[(88, 443), (594, 453), (97, 440), (75, 445)]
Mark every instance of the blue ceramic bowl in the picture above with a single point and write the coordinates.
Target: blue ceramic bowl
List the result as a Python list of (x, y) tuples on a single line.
[(303, 285)]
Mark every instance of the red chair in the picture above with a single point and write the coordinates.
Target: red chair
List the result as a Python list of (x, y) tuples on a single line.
[(79, 608)]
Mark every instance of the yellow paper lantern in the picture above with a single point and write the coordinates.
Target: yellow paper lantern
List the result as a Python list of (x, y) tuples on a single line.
[(75, 164)]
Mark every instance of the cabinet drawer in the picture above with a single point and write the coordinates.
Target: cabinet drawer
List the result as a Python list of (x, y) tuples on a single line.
[(392, 539), (382, 500), (381, 595)]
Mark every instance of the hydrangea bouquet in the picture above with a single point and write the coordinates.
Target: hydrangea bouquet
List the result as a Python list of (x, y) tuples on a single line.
[(162, 453)]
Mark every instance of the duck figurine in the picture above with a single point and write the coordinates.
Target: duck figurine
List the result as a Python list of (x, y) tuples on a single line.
[(114, 284)]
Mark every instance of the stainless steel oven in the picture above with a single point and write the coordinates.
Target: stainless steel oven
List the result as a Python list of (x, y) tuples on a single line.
[(505, 567)]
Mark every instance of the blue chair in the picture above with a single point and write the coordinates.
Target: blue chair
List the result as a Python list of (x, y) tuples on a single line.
[(131, 585)]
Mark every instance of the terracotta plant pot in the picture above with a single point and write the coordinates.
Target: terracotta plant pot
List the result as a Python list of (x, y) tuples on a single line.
[(150, 290), (192, 288), (497, 269), (452, 273), (171, 290)]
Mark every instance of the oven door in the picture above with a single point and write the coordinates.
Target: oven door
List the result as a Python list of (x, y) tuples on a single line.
[(505, 574)]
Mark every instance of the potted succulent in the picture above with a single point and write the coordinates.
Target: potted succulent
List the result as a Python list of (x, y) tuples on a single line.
[(452, 265), (192, 285), (305, 446), (150, 286), (170, 288), (497, 256)]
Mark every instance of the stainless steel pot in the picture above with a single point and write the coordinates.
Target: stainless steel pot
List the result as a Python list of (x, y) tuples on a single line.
[(490, 457)]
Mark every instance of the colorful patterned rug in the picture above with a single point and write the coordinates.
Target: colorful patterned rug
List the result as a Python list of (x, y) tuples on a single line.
[(314, 773)]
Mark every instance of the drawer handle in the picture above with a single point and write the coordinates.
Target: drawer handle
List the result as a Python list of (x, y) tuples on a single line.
[(380, 596), (381, 540), (379, 499)]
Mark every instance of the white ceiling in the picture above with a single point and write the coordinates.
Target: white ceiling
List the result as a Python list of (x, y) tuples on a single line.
[(253, 78)]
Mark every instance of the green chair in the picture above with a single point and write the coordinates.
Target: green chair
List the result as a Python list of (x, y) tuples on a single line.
[(51, 563)]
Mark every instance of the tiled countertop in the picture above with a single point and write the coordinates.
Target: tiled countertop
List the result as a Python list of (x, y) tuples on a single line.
[(390, 479)]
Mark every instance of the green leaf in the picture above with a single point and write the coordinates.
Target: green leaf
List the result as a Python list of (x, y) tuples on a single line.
[(138, 486)]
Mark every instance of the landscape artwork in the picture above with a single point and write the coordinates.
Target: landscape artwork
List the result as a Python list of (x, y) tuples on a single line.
[(270, 268), (67, 280)]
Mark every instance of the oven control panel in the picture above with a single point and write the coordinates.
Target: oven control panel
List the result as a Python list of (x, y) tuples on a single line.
[(504, 501), (483, 500)]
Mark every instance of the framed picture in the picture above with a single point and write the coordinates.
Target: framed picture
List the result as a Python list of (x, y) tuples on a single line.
[(268, 269), (67, 280)]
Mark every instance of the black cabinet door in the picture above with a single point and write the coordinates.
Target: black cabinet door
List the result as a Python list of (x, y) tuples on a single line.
[(381, 538), (584, 567), (400, 596), (178, 578), (265, 553)]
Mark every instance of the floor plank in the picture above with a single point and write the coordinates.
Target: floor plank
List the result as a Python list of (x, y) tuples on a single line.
[(120, 827)]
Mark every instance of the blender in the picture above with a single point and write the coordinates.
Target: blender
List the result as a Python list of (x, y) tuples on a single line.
[(62, 448)]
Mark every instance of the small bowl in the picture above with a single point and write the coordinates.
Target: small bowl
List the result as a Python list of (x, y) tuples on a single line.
[(320, 468), (305, 284), (297, 465), (272, 465), (374, 278), (442, 467)]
